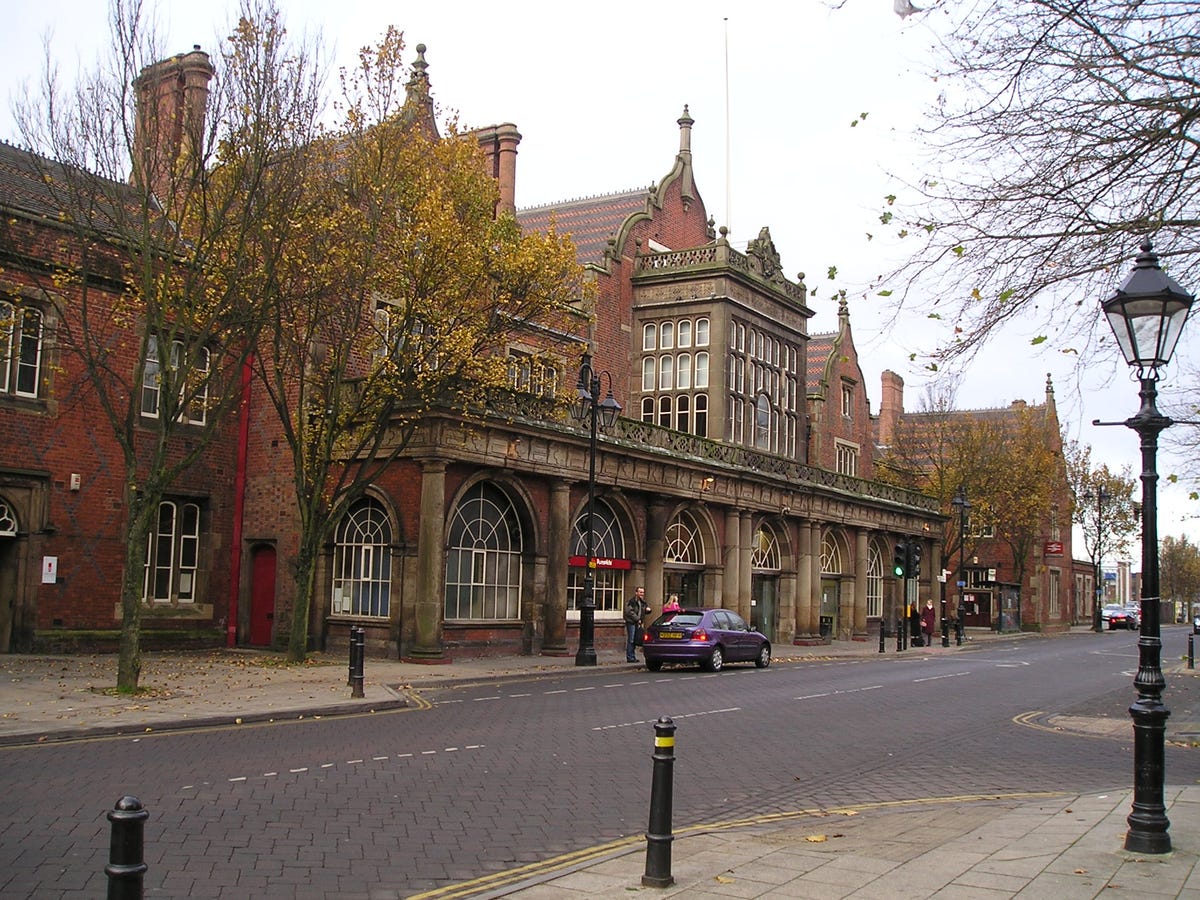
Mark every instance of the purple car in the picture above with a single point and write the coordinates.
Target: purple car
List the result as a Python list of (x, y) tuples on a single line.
[(708, 637)]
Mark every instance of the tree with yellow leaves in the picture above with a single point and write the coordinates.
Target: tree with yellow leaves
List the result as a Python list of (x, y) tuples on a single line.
[(168, 231), (397, 303)]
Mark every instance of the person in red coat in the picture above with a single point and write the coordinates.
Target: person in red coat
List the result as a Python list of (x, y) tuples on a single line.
[(928, 622)]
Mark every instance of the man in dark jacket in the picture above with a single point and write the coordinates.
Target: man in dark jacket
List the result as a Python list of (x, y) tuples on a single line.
[(636, 609)]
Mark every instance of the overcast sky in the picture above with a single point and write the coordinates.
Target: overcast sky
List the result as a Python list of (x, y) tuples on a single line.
[(596, 89)]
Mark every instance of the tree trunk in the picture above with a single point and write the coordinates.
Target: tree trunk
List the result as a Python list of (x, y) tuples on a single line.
[(129, 658), (306, 559)]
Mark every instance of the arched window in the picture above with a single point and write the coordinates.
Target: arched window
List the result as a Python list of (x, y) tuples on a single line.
[(765, 550), (483, 559), (362, 562), (874, 582), (664, 411), (608, 543), (8, 520), (649, 336), (831, 557), (762, 423), (683, 544), (683, 371), (682, 419), (666, 336)]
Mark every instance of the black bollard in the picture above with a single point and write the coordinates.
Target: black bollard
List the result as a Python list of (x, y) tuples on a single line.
[(958, 628), (881, 630), (358, 646), (1191, 654), (945, 632), (125, 864), (658, 833), (899, 636)]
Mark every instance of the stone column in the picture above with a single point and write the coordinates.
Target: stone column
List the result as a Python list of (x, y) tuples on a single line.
[(731, 583), (656, 534), (807, 584), (554, 642), (862, 543), (431, 564), (745, 569)]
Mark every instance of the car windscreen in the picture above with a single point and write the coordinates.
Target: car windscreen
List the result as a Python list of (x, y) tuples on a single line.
[(678, 619)]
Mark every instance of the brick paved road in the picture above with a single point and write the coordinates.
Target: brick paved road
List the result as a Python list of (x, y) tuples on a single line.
[(493, 777)]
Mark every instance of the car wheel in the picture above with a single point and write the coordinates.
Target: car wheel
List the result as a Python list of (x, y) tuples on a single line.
[(716, 660), (654, 665), (764, 657)]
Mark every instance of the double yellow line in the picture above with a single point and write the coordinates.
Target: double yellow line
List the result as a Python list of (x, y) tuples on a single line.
[(580, 858)]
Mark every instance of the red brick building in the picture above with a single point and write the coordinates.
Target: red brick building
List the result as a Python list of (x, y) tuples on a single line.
[(1045, 596), (734, 476)]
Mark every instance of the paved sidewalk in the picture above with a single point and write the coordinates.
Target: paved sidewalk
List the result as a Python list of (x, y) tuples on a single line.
[(1035, 845)]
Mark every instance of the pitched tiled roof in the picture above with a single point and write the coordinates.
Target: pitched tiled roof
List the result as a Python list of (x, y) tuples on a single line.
[(43, 188), (820, 348), (590, 222)]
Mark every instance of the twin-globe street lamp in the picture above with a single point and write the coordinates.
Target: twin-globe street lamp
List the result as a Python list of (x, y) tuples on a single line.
[(586, 408), (1146, 315), (960, 501)]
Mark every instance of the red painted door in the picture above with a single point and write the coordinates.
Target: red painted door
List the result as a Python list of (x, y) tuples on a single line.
[(262, 596)]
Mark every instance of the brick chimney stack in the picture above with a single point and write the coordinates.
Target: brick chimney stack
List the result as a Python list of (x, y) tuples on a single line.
[(891, 407), (499, 143), (172, 103)]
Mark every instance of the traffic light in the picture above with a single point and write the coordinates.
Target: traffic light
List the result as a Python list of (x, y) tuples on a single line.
[(900, 560), (914, 560)]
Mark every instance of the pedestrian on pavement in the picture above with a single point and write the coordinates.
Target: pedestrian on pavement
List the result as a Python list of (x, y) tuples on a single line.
[(672, 604), (928, 622), (636, 609)]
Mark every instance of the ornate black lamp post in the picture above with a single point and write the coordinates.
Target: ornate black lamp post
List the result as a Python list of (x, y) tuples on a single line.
[(587, 408), (1098, 559), (1146, 314), (960, 501)]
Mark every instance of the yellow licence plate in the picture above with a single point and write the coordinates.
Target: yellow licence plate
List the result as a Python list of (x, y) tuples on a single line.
[(670, 635)]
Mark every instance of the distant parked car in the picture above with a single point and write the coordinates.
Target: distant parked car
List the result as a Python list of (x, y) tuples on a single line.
[(1114, 616), (1196, 625), (708, 637), (1134, 612)]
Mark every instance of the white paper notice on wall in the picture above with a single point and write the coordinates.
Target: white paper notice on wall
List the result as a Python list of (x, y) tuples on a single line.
[(49, 569)]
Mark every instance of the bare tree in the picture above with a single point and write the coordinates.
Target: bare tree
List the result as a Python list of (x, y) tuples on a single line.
[(165, 242), (1064, 135)]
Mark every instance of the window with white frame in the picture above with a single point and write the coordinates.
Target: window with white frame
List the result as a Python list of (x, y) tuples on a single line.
[(20, 350), (608, 542), (362, 562), (1055, 610), (173, 554), (763, 389), (874, 582), (483, 557), (398, 332), (846, 458), (847, 400), (527, 375), (188, 376), (675, 384)]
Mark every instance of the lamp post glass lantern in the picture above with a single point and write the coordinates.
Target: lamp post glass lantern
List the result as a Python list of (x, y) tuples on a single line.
[(587, 409), (1146, 314)]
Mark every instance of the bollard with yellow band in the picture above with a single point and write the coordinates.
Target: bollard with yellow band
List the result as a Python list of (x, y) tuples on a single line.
[(658, 833)]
